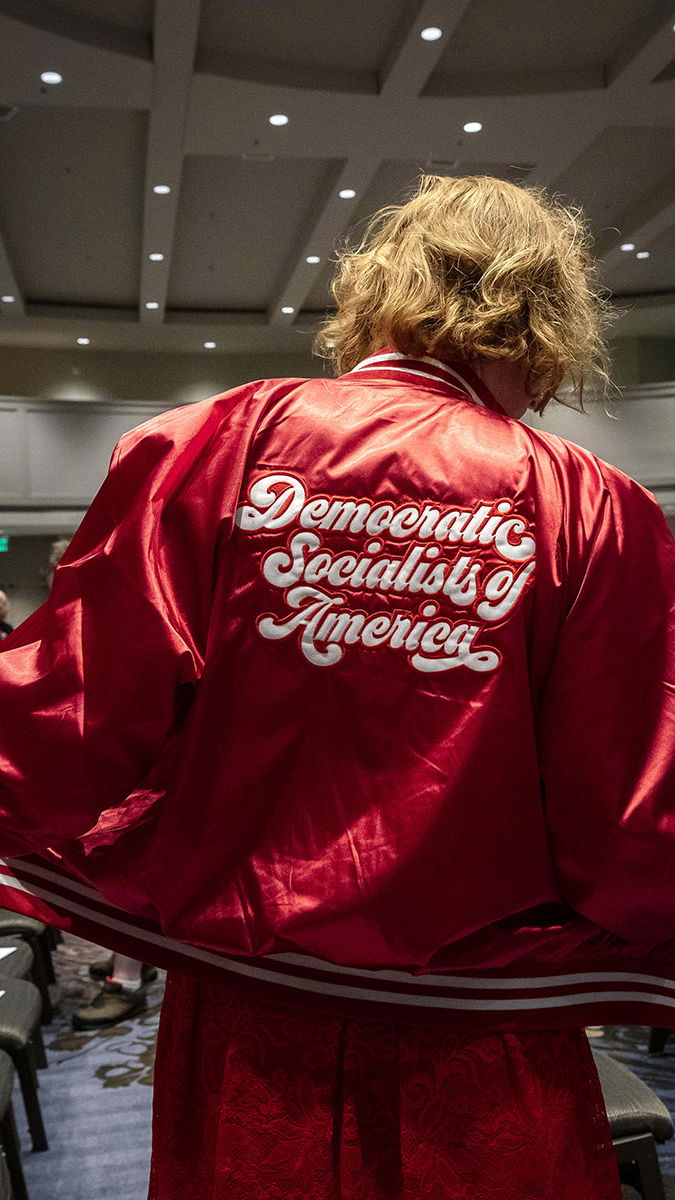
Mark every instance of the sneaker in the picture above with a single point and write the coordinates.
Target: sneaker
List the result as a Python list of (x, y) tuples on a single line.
[(104, 967), (113, 1003)]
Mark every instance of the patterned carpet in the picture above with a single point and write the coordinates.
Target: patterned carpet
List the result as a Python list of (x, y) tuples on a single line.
[(96, 1095)]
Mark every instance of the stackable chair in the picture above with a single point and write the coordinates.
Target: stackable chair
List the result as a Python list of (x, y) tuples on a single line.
[(16, 958), (638, 1120), (39, 938), (17, 962), (21, 1039), (13, 1184)]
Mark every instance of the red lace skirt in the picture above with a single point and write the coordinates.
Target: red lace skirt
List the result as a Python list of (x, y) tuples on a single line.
[(256, 1100)]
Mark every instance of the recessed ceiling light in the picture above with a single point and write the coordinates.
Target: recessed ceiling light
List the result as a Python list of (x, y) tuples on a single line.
[(83, 341), (209, 345), (161, 189), (288, 309), (278, 119), (628, 246), (152, 304), (346, 193), (431, 34), (642, 254), (312, 258), (51, 77), (8, 299), (473, 127), (156, 257)]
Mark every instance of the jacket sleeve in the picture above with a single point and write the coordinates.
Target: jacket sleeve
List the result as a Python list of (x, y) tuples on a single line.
[(93, 682), (607, 723)]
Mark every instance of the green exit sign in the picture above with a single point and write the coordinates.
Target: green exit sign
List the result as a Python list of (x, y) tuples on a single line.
[(4, 543)]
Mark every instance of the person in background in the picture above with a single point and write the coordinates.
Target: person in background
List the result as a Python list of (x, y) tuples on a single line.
[(56, 553), (362, 695), (5, 627), (121, 996)]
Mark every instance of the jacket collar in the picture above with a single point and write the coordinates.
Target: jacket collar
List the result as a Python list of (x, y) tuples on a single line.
[(457, 376)]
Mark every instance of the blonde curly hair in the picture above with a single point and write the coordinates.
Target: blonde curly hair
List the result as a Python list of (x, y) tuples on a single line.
[(474, 268)]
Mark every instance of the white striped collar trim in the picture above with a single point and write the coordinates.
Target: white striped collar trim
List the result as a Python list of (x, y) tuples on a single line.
[(391, 360)]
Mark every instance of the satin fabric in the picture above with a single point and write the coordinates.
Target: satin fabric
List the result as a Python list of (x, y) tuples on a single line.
[(169, 738)]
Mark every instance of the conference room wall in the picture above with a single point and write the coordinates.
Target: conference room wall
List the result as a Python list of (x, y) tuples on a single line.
[(168, 378), (178, 378)]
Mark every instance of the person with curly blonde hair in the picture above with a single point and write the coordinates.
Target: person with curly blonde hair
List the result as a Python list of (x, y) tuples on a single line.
[(380, 766), (481, 270)]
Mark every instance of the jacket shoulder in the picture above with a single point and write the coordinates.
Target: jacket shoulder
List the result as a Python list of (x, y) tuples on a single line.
[(583, 470), (180, 426)]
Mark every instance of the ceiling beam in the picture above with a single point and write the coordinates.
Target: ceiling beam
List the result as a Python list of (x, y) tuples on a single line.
[(645, 51), (175, 44), (642, 224), (334, 219), (101, 74), (405, 71), (519, 128), (56, 326), (76, 27), (411, 60), (564, 148), (9, 285)]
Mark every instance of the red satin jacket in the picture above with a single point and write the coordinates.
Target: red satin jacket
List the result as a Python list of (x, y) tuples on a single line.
[(360, 689)]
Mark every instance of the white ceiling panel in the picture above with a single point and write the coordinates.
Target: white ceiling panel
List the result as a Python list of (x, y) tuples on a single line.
[(135, 15), (636, 276), (533, 45), (70, 203), (293, 41), (619, 181), (393, 183), (620, 167), (237, 225)]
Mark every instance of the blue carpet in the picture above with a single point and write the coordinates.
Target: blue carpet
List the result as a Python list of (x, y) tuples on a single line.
[(96, 1095)]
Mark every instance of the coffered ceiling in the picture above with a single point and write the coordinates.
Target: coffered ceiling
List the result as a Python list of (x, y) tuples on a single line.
[(577, 96)]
